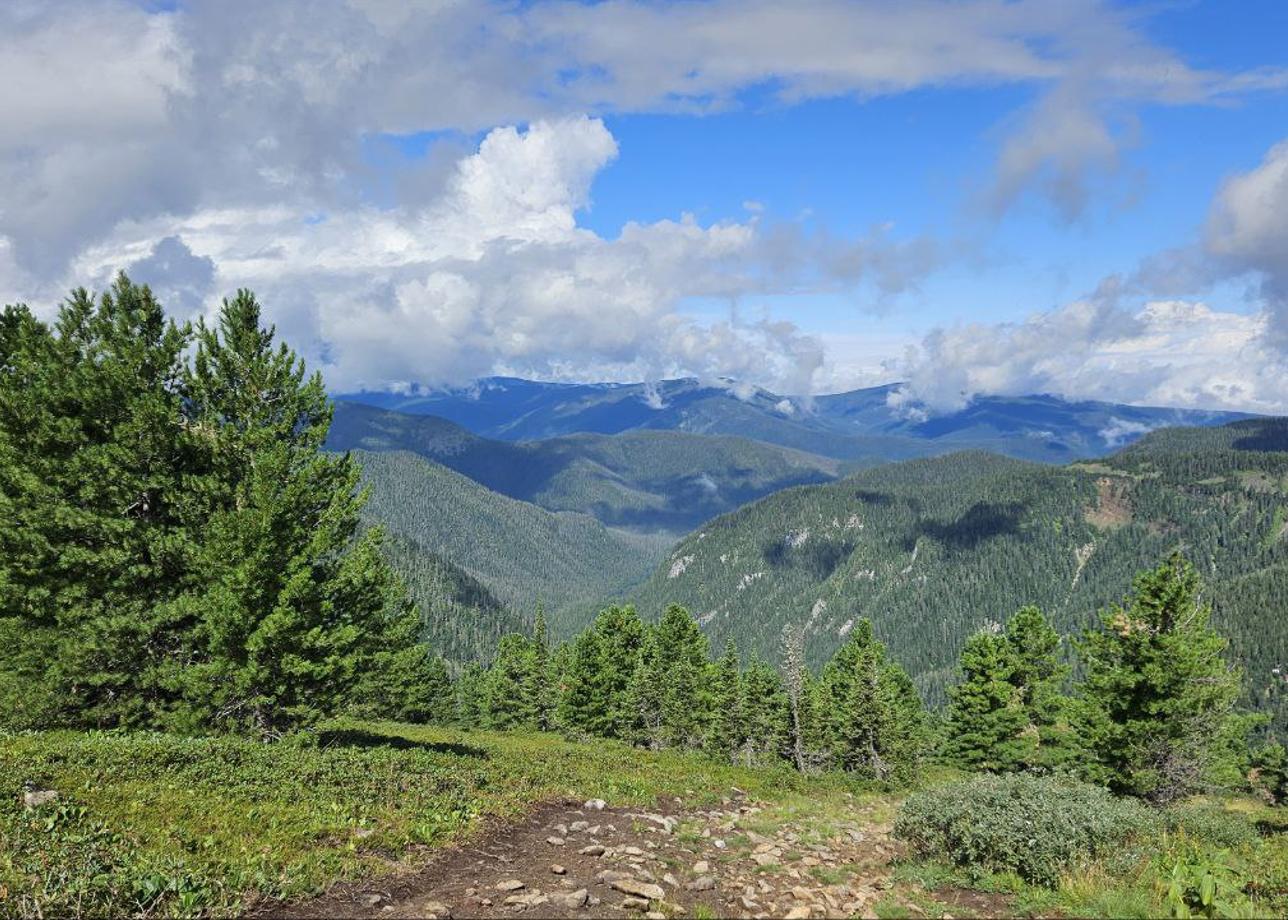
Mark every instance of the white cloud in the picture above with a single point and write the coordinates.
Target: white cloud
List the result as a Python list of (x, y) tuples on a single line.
[(1165, 353)]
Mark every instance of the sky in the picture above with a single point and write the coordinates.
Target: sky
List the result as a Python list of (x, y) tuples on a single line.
[(970, 197)]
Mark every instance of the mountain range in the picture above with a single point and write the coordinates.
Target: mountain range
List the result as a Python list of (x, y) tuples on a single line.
[(860, 427)]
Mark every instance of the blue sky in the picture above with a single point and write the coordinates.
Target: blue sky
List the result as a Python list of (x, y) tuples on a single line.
[(1067, 196)]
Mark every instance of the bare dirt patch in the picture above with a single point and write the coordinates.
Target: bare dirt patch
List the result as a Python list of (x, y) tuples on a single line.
[(1113, 504), (572, 859)]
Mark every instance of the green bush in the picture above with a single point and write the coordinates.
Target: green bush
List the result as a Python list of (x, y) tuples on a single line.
[(1212, 825), (1035, 826)]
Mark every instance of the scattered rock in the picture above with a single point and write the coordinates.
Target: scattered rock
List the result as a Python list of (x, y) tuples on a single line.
[(596, 805), (436, 910), (701, 867), (372, 898), (799, 912), (34, 798), (608, 876), (632, 851), (573, 900), (765, 859), (802, 894), (703, 883), (640, 889), (655, 915), (510, 885), (556, 841), (578, 826), (671, 880), (634, 904), (595, 849), (719, 844), (561, 830), (558, 869)]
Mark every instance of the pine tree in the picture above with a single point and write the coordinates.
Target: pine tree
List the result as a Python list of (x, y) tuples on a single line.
[(873, 721), (1158, 693), (471, 703), (986, 720), (683, 659), (765, 714), (645, 694), (725, 731), (584, 691), (621, 638), (294, 602), (95, 539), (508, 701)]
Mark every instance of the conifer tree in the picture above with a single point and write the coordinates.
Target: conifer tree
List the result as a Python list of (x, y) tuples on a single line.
[(766, 719), (543, 688), (621, 637), (584, 691), (470, 690), (508, 701), (986, 719), (1158, 693), (683, 659), (873, 721), (294, 601), (95, 538), (725, 730), (645, 694)]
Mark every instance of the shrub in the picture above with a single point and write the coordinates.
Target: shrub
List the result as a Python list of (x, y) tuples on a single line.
[(1211, 824), (1035, 826)]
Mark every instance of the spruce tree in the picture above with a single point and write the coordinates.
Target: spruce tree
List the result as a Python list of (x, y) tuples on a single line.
[(508, 701), (683, 659), (1158, 693), (542, 690), (987, 721), (470, 696), (621, 638), (583, 689), (645, 694)]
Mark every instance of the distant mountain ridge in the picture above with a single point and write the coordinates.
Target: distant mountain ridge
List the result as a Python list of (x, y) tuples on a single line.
[(859, 427)]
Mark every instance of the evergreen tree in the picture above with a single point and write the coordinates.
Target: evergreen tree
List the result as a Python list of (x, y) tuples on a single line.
[(1158, 693), (95, 538), (766, 719), (645, 694), (294, 602), (683, 659), (508, 701), (584, 691), (471, 703), (725, 730), (621, 638), (404, 680), (873, 723)]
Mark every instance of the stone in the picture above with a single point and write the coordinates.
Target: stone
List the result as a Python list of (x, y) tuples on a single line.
[(802, 894), (702, 883), (578, 826), (632, 851), (719, 844), (765, 859), (655, 915), (749, 903), (608, 876), (558, 869), (556, 841), (634, 904), (34, 798), (671, 880), (561, 830), (573, 900), (765, 847), (596, 805), (436, 910), (372, 898), (512, 884), (638, 888), (595, 849), (485, 902), (701, 867), (799, 912), (593, 830)]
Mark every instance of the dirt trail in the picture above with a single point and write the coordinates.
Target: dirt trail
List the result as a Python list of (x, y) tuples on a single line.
[(590, 860)]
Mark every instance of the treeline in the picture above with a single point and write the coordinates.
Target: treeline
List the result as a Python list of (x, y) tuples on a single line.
[(176, 549), (1153, 713)]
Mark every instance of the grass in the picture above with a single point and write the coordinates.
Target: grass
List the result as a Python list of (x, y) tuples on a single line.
[(155, 824)]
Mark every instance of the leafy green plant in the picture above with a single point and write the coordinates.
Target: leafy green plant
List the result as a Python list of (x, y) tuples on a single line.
[(1035, 826), (1203, 887)]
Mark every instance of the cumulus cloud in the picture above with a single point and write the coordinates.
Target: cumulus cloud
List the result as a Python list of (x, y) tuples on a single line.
[(181, 279), (1167, 353)]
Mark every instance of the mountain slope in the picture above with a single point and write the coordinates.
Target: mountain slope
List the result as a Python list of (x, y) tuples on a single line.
[(860, 427), (934, 550), (521, 553), (655, 480)]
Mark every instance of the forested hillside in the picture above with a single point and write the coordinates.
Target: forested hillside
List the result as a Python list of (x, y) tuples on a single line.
[(935, 550), (523, 554), (648, 480)]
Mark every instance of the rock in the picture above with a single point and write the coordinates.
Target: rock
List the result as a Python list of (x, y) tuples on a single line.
[(558, 869), (608, 876), (634, 904), (593, 830), (510, 885), (765, 859), (701, 867), (808, 861), (436, 910), (799, 912), (640, 889), (632, 851), (765, 847), (749, 903), (719, 844), (572, 900), (595, 849), (596, 805), (556, 841), (802, 894), (372, 898), (561, 830), (671, 880), (34, 798), (578, 826), (655, 915), (703, 883), (485, 902)]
